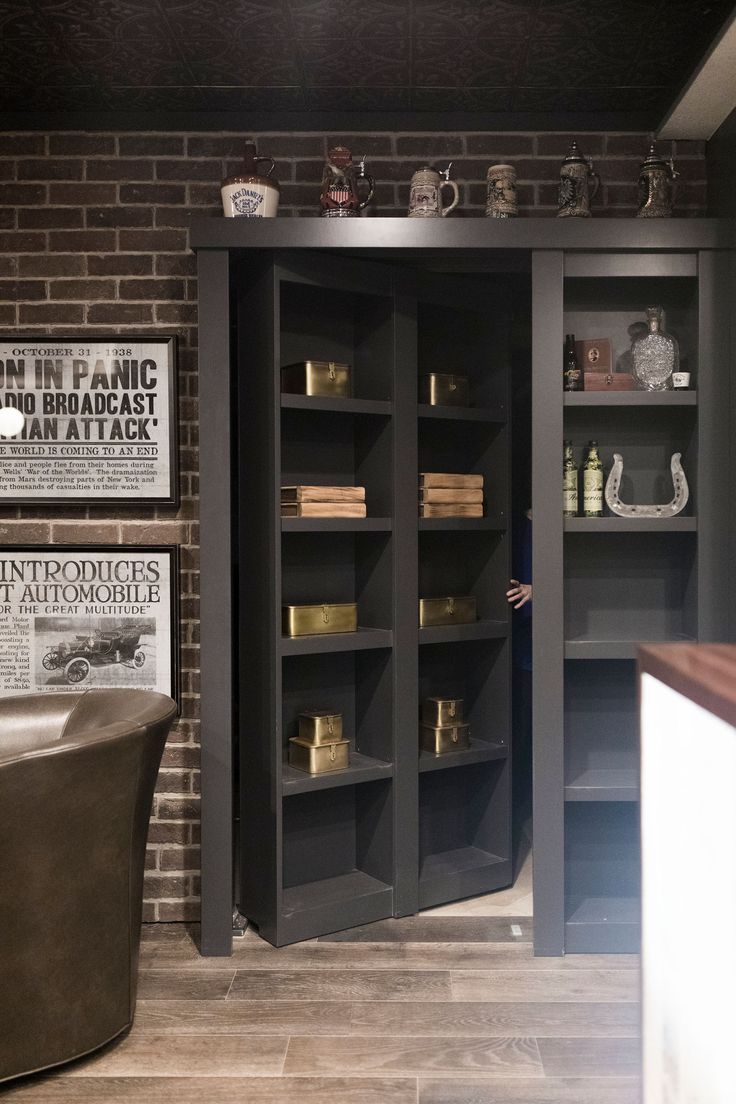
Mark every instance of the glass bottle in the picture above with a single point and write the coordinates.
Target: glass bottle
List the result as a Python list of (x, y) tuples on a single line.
[(655, 355), (592, 482), (571, 369), (569, 482)]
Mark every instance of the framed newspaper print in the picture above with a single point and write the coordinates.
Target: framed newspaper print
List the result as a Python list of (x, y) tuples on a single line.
[(72, 618), (99, 419)]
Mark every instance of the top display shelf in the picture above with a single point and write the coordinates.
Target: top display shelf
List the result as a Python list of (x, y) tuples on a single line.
[(396, 234), (630, 398)]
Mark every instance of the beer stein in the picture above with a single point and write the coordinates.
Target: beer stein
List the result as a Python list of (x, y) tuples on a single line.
[(340, 196), (578, 185), (425, 193), (501, 194), (656, 186)]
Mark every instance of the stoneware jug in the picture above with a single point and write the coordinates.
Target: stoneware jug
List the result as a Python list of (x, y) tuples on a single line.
[(656, 186), (250, 194), (578, 185), (425, 193), (340, 182)]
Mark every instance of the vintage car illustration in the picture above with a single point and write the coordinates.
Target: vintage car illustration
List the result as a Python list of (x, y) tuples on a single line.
[(97, 649)]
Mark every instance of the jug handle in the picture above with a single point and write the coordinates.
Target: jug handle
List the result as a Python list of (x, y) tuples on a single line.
[(596, 182), (456, 193), (271, 163), (371, 188)]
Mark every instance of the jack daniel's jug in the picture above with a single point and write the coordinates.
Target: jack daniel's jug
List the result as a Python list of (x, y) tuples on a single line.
[(248, 194), (578, 185), (656, 186), (340, 196)]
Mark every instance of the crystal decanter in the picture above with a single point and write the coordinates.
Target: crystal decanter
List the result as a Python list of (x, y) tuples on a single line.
[(655, 355)]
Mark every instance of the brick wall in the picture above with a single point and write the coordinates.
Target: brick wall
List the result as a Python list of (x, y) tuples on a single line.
[(94, 235)]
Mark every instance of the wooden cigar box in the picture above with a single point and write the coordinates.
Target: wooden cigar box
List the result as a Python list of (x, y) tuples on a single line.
[(608, 381), (440, 389), (309, 620), (316, 377), (437, 712), (594, 355), (324, 509), (450, 479), (447, 611), (318, 758), (443, 738), (319, 727), (451, 494), (322, 494), (450, 509)]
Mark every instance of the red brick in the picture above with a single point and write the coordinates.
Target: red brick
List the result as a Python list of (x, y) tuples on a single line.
[(26, 241), (24, 532), (16, 145), (155, 532), (176, 312), (84, 532), (120, 264), (53, 314), (152, 241), (173, 264), (83, 145), (119, 170), (635, 146), (119, 216), (82, 289), (207, 195), (82, 241), (49, 218), (7, 218), (557, 145), (120, 314), (150, 912), (187, 169), (159, 886), (51, 264), (9, 266), (151, 862), (79, 195), (169, 911), (151, 289), (50, 169), (151, 145), (168, 832), (177, 216), (7, 314), (180, 858), (17, 194), (181, 755), (152, 193), (499, 147), (19, 290), (172, 808)]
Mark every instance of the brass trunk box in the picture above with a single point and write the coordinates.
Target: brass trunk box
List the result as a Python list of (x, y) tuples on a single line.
[(319, 759), (443, 738), (316, 377), (442, 711), (308, 620), (447, 611), (440, 389), (320, 728)]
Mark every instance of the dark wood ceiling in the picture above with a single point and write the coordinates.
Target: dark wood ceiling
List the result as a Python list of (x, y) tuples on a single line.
[(549, 60)]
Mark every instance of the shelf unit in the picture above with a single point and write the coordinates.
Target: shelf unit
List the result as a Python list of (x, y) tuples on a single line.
[(611, 584), (392, 832)]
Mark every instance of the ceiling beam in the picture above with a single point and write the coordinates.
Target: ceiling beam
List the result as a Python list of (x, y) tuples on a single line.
[(709, 97)]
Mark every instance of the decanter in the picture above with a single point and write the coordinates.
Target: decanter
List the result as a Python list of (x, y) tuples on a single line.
[(655, 355)]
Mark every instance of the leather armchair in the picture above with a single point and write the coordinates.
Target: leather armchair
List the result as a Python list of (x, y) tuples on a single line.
[(77, 774)]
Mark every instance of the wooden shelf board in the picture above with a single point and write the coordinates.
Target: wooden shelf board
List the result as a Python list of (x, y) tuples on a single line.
[(479, 752), (463, 413), (677, 524), (459, 524), (473, 630), (336, 405), (603, 784), (336, 525), (613, 649), (602, 925), (329, 892), (630, 398), (362, 769), (360, 641)]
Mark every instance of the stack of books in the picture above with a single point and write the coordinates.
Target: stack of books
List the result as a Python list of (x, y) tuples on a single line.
[(445, 495), (323, 502)]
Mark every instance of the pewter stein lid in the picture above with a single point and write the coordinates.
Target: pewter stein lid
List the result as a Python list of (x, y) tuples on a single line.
[(653, 160), (574, 156)]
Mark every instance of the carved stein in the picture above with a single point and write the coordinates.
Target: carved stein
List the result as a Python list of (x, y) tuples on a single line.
[(578, 185), (425, 193), (501, 193), (340, 195), (656, 186)]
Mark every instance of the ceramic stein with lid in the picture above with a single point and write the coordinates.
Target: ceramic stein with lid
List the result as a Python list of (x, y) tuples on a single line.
[(578, 185), (425, 193), (250, 194), (656, 186), (341, 180)]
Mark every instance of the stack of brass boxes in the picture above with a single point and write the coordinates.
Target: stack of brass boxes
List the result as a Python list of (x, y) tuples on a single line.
[(446, 495), (303, 501), (442, 728), (319, 747), (316, 377)]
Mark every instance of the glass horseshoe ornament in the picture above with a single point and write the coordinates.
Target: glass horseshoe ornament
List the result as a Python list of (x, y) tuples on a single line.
[(425, 193), (340, 185), (656, 186), (667, 510), (579, 184)]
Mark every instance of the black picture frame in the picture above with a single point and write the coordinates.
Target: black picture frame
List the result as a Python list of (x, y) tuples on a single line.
[(30, 349), (170, 551)]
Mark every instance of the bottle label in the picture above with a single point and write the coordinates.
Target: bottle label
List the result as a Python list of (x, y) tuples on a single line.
[(569, 501), (592, 491)]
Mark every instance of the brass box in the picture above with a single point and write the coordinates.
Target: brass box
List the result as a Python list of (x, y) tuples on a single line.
[(316, 377), (443, 738), (440, 389), (308, 620), (319, 728), (447, 611), (442, 711), (320, 759)]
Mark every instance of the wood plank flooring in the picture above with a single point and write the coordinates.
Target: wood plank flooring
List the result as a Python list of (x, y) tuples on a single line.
[(434, 1009)]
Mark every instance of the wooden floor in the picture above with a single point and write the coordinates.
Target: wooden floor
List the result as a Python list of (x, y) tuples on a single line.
[(427, 1010)]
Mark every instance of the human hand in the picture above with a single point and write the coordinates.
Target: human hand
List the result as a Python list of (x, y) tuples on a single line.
[(520, 593)]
